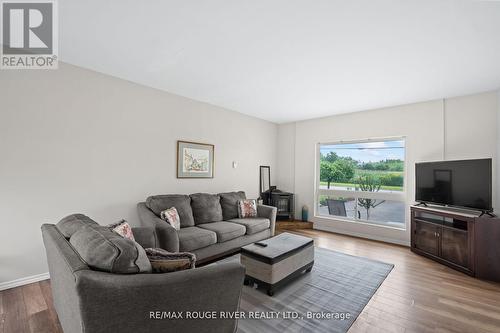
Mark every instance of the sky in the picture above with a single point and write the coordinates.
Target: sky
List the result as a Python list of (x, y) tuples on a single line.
[(368, 151)]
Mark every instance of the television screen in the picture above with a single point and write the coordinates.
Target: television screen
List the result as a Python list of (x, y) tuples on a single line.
[(464, 183)]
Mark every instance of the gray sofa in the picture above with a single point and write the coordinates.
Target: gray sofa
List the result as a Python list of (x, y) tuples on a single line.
[(210, 227), (91, 301)]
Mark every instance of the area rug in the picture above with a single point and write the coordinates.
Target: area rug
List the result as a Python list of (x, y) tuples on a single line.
[(328, 299)]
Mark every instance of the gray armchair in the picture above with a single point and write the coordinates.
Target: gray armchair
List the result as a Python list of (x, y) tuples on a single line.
[(93, 302)]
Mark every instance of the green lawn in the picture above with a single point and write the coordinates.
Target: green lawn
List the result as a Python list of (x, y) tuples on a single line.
[(359, 172), (387, 188)]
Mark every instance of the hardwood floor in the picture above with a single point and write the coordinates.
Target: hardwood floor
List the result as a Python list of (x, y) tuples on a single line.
[(28, 309), (419, 295)]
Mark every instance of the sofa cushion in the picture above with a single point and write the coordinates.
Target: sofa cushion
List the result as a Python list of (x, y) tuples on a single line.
[(225, 230), (72, 223), (206, 208), (193, 238), (253, 224), (229, 204), (103, 249), (182, 203)]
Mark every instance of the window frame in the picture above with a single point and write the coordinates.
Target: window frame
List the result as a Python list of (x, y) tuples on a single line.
[(399, 196)]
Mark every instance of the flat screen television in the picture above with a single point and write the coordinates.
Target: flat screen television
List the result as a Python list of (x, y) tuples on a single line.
[(465, 183)]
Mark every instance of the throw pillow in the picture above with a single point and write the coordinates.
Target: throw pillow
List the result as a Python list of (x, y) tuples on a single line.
[(247, 208), (123, 229), (172, 217), (164, 262)]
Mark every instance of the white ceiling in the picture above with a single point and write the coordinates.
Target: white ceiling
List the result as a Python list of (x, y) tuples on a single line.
[(285, 60)]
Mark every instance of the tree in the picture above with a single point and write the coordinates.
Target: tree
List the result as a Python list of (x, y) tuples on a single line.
[(328, 172), (386, 165), (368, 183), (330, 157), (346, 168), (342, 170), (368, 166)]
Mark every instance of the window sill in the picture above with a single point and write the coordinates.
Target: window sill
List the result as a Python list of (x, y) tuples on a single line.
[(360, 222)]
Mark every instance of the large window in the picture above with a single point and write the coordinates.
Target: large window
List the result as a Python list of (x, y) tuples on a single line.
[(362, 181)]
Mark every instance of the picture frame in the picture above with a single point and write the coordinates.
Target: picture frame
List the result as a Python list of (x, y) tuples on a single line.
[(195, 159)]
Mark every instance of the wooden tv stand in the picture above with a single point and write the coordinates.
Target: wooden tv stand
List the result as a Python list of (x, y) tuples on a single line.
[(461, 240)]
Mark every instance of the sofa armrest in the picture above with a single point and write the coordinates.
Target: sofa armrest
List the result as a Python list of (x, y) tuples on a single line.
[(268, 212), (140, 302), (145, 236), (166, 235)]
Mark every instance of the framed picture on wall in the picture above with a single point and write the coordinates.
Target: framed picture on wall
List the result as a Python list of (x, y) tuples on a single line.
[(195, 160)]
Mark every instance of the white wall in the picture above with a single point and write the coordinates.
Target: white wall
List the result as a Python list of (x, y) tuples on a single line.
[(285, 178), (470, 126), (498, 152), (464, 127), (73, 140)]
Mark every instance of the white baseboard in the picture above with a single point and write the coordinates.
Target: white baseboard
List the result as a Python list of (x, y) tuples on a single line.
[(323, 227), (23, 281)]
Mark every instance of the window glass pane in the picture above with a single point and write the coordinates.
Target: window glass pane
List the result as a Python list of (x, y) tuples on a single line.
[(356, 178), (336, 206), (364, 166), (386, 212)]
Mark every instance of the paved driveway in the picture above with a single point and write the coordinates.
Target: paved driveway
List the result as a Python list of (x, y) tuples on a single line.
[(390, 213)]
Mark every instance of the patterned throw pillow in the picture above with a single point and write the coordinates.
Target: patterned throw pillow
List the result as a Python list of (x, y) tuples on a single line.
[(123, 229), (164, 262), (172, 217), (247, 208)]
